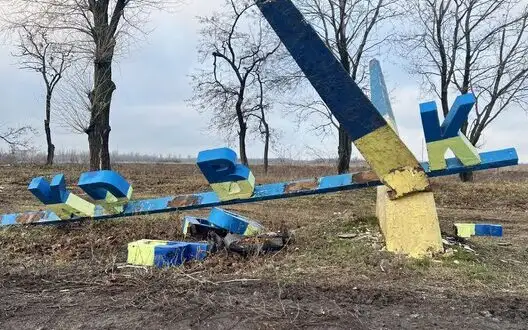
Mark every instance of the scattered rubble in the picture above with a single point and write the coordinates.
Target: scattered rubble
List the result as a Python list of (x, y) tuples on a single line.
[(223, 230)]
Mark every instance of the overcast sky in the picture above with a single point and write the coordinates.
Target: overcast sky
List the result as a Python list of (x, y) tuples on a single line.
[(149, 114)]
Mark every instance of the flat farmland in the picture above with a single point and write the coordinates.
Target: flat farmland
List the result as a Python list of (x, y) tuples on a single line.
[(75, 276)]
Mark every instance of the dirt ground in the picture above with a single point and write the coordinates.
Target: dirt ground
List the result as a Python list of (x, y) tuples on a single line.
[(76, 277)]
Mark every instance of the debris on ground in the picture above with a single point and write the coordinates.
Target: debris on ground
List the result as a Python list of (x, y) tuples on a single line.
[(466, 230), (347, 236), (161, 253), (254, 245), (223, 230), (453, 245), (234, 223), (199, 228)]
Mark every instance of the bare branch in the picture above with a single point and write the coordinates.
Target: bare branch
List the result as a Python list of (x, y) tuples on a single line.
[(472, 45)]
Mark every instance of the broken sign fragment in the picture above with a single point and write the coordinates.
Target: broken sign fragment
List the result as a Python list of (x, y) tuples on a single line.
[(234, 223), (161, 253), (199, 228), (467, 230), (263, 243)]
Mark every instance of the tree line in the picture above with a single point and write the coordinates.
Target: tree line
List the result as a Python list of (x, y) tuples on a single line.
[(454, 46)]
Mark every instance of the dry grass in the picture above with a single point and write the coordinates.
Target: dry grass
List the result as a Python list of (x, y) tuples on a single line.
[(89, 257)]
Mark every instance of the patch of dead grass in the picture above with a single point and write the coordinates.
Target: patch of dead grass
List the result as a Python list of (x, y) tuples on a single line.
[(318, 256)]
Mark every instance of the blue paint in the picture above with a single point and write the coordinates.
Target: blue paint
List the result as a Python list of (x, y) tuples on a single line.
[(98, 183), (54, 193), (196, 251), (177, 253), (457, 115), (344, 98), (8, 219), (430, 122), (378, 91), (488, 230), (170, 255), (220, 165), (329, 182), (149, 206), (492, 159), (454, 120), (269, 190), (58, 188), (232, 222), (211, 198), (40, 188)]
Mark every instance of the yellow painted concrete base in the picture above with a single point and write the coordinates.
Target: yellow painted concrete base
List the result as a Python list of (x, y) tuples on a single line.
[(409, 224)]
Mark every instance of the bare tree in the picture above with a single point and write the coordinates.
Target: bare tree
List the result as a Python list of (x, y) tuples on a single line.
[(17, 138), (259, 112), (477, 46), (239, 43), (38, 52), (73, 107), (96, 29), (348, 29)]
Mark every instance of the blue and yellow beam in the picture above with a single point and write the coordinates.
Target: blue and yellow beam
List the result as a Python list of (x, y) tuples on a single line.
[(379, 144), (379, 94), (279, 190)]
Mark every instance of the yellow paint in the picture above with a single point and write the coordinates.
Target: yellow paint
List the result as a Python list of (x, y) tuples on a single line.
[(74, 205), (142, 252), (129, 193), (252, 230), (186, 227), (114, 205), (465, 230), (459, 145), (392, 161), (409, 224), (235, 190)]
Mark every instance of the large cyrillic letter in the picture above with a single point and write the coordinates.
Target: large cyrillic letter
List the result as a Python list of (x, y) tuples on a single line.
[(448, 136), (227, 178)]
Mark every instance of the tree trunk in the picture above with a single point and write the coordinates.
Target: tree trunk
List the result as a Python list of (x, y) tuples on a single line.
[(344, 151), (266, 150), (242, 143), (94, 145), (344, 148), (105, 150), (466, 176), (47, 129), (101, 99), (444, 99), (241, 123)]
